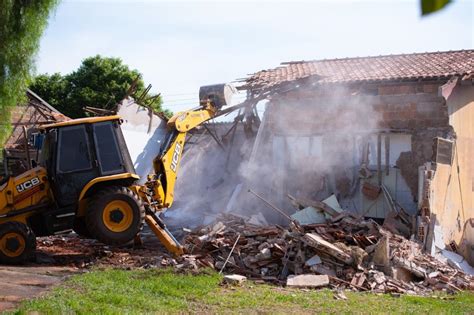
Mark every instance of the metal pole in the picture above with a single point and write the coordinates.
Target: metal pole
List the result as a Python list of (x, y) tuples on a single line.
[(27, 149), (379, 158), (230, 254), (271, 205)]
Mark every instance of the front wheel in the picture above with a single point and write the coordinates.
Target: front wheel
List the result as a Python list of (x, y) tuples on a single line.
[(115, 215)]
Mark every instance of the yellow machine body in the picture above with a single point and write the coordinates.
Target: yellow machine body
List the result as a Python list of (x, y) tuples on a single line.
[(38, 199), (20, 196)]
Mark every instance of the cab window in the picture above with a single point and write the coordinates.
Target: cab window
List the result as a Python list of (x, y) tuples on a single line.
[(110, 159), (73, 150)]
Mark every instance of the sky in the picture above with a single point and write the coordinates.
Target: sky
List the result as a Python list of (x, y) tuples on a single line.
[(179, 46)]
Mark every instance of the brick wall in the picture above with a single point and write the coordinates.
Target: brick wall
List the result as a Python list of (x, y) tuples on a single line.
[(403, 107), (411, 111)]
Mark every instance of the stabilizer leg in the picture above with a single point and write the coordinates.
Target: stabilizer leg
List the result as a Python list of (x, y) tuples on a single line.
[(165, 237)]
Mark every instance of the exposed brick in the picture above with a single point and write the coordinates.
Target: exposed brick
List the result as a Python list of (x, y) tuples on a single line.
[(386, 90), (388, 116), (419, 89), (408, 114), (412, 124), (439, 122), (431, 88), (399, 124), (393, 107), (427, 107), (406, 89), (379, 107), (397, 89)]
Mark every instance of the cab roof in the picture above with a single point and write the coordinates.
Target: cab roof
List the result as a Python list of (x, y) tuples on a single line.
[(80, 121)]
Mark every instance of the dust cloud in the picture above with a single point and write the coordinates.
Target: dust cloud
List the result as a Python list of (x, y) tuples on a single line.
[(309, 148)]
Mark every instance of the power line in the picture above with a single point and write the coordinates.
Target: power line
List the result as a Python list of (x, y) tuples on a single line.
[(191, 99), (177, 105), (165, 97), (196, 93), (179, 100), (180, 94)]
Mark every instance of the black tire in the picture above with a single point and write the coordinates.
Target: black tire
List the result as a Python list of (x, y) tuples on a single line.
[(101, 226), (17, 243), (80, 227)]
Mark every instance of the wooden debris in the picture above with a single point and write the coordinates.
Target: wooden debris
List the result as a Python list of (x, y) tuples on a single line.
[(351, 253), (340, 295), (316, 241)]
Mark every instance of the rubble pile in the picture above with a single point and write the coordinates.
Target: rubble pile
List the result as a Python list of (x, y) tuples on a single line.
[(74, 251), (349, 252)]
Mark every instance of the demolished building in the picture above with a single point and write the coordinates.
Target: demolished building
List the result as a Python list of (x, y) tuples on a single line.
[(25, 121), (388, 135)]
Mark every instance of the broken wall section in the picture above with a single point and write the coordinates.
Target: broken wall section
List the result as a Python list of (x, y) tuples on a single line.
[(144, 132), (449, 185), (319, 139)]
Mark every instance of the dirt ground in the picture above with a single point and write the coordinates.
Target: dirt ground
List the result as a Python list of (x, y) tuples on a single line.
[(58, 257), (23, 282)]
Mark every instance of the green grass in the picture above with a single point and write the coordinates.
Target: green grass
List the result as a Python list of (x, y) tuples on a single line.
[(162, 291)]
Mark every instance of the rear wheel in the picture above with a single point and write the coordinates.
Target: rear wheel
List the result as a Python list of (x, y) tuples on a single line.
[(115, 215), (17, 243)]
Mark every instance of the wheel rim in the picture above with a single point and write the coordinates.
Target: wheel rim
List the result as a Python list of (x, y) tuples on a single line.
[(117, 216), (12, 244)]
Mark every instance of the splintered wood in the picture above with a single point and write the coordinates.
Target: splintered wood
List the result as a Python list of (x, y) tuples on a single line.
[(353, 253)]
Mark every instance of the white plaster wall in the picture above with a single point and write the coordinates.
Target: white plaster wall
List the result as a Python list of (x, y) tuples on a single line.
[(144, 133), (398, 143)]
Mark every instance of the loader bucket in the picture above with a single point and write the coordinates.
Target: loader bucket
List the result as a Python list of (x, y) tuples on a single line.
[(219, 94)]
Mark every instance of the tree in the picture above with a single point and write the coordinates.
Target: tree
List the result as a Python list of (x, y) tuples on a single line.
[(22, 23), (99, 82), (52, 88)]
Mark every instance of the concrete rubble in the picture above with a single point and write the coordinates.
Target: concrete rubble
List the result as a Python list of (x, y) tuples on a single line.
[(307, 281), (343, 253), (351, 253), (234, 279)]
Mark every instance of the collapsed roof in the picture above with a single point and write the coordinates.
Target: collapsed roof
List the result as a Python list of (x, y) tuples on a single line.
[(32, 114)]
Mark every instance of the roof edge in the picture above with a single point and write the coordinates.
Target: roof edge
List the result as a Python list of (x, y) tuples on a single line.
[(284, 63), (43, 102)]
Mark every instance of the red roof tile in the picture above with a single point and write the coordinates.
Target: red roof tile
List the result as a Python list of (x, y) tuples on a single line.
[(425, 66)]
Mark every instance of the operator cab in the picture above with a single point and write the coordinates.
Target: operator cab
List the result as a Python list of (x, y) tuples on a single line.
[(79, 151)]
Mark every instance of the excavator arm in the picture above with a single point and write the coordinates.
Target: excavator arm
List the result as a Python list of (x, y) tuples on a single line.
[(166, 164), (158, 191)]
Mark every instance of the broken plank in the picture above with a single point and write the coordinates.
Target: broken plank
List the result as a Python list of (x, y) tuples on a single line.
[(317, 242)]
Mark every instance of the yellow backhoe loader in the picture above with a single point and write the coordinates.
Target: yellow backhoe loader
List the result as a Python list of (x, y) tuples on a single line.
[(85, 181)]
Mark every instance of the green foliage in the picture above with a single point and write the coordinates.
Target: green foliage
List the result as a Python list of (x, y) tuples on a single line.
[(51, 88), (99, 82), (431, 6), (152, 291), (21, 24)]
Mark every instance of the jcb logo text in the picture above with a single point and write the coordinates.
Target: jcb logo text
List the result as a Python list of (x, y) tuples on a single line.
[(28, 184), (175, 159)]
